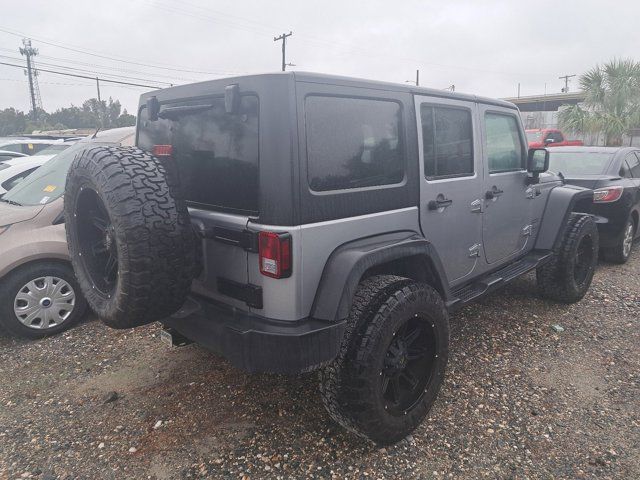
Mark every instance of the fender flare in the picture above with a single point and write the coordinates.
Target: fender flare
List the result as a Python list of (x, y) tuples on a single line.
[(348, 263), (560, 204)]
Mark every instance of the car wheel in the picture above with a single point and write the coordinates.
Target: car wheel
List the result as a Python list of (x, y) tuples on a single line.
[(567, 277), (622, 251), (40, 299), (392, 360)]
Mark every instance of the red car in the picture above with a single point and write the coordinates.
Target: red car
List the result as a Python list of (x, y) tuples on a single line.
[(549, 137)]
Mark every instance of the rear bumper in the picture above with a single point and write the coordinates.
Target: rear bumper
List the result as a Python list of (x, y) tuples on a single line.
[(258, 344)]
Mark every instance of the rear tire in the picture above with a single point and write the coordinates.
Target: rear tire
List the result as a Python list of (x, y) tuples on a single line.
[(622, 251), (567, 277), (40, 299), (392, 360), (129, 235)]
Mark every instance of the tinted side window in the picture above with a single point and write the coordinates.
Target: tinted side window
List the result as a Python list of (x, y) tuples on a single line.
[(503, 144), (353, 143), (447, 137), (634, 165)]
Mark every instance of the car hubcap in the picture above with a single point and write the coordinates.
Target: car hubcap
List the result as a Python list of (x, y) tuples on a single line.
[(628, 240), (44, 303), (97, 242), (408, 365)]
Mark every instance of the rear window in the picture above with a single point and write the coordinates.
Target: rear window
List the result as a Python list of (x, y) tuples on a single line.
[(578, 163), (352, 143), (216, 152)]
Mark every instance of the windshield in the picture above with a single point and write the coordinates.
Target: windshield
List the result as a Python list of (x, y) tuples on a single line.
[(579, 163), (47, 183), (55, 149), (534, 136)]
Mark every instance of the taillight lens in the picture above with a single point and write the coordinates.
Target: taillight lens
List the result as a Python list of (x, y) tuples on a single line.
[(275, 254), (607, 195), (163, 150)]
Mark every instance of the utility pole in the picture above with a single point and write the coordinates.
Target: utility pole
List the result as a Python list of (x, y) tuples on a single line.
[(98, 85), (283, 37), (417, 78), (34, 92), (566, 82)]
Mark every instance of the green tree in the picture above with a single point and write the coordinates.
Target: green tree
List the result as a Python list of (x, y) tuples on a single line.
[(612, 102), (12, 121)]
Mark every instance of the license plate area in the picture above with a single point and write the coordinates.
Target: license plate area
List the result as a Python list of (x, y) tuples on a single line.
[(171, 338)]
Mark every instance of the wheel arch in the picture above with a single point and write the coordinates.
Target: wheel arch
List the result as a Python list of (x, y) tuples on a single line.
[(400, 253), (33, 260), (562, 201)]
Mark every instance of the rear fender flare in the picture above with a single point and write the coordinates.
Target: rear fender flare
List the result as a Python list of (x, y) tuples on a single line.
[(349, 262)]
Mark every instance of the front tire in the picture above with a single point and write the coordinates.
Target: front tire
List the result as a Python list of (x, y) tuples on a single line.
[(567, 277), (392, 361), (39, 300)]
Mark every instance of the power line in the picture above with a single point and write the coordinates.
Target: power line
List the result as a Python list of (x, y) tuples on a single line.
[(84, 76), (95, 72), (115, 59)]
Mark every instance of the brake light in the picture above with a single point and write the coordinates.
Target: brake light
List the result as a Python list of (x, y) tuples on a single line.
[(607, 194), (163, 150), (275, 254)]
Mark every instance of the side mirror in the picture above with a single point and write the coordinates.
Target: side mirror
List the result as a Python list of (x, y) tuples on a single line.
[(153, 108), (537, 163), (232, 98)]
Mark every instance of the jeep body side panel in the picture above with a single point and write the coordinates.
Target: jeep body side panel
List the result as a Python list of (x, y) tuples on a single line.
[(292, 298), (348, 263), (561, 202)]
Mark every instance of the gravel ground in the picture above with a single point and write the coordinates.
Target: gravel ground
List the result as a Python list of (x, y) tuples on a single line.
[(520, 400)]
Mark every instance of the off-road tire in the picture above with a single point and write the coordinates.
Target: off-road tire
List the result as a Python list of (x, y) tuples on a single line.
[(556, 279), (617, 254), (152, 232), (349, 385), (13, 282)]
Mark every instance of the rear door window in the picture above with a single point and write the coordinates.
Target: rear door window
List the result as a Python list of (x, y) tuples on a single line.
[(353, 143), (447, 136), (634, 165), (216, 152)]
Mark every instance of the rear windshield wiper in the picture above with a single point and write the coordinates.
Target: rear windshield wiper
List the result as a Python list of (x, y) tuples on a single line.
[(171, 113), (10, 202)]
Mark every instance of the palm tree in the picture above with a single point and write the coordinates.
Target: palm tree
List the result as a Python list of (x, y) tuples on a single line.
[(612, 102)]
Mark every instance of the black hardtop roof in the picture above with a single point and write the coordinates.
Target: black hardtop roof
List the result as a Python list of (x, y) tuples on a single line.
[(194, 89)]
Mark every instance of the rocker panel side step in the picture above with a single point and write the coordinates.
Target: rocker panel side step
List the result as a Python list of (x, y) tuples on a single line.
[(491, 281)]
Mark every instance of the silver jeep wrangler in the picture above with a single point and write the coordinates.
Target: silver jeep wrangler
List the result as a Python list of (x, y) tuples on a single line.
[(294, 222)]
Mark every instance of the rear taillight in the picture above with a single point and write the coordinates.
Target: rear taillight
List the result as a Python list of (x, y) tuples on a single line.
[(163, 150), (275, 254), (607, 194)]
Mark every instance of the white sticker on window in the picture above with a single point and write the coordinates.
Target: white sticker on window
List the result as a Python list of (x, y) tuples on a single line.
[(44, 200)]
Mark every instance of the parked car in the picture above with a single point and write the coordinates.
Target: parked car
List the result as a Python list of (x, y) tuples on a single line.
[(338, 222), (39, 294), (549, 137), (8, 155), (614, 175), (27, 145), (13, 171)]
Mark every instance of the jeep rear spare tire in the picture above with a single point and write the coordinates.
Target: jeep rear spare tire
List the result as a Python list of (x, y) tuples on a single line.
[(129, 234)]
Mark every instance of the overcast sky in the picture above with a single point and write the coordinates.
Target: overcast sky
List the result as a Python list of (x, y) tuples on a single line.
[(483, 47)]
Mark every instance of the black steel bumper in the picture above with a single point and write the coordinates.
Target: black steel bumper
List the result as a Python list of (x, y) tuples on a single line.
[(258, 344)]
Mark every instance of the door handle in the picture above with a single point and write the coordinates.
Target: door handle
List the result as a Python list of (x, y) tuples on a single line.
[(439, 202), (493, 193)]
